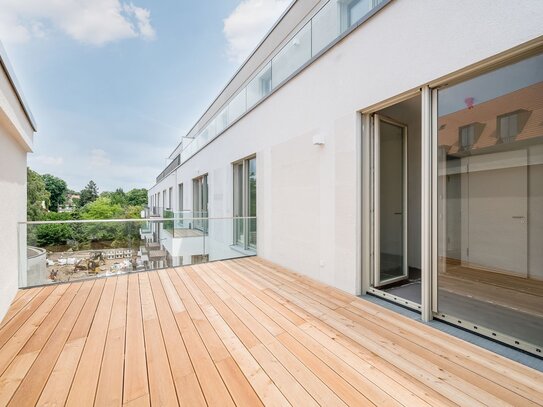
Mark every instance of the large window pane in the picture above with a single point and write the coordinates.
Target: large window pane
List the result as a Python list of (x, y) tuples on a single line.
[(490, 190), (292, 56)]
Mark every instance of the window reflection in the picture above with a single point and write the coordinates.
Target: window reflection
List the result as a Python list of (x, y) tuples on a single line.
[(490, 197)]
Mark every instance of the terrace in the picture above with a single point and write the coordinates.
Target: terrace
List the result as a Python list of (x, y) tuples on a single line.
[(237, 332)]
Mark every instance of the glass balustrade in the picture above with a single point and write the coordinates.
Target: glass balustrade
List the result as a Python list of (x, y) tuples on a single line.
[(61, 251), (330, 22)]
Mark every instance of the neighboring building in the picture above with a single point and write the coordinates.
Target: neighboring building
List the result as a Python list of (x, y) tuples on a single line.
[(70, 204), (17, 129), (384, 147)]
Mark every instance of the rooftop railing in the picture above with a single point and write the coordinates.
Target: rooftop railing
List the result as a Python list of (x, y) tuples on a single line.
[(332, 21), (61, 251)]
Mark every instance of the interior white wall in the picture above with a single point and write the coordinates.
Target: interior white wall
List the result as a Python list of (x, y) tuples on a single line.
[(307, 193), (408, 113)]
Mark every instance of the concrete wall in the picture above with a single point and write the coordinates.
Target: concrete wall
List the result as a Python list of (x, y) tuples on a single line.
[(307, 193), (15, 141)]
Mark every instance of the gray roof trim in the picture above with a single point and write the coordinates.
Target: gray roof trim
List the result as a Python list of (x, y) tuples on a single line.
[(8, 69)]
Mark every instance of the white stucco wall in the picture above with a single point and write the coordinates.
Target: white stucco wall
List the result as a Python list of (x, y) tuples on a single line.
[(16, 136), (306, 193)]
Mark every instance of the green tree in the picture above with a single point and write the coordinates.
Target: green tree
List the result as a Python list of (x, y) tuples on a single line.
[(118, 197), (37, 195), (137, 197), (88, 194), (58, 189), (102, 208)]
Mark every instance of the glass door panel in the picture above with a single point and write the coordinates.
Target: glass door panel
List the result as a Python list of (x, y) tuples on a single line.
[(490, 201), (390, 202)]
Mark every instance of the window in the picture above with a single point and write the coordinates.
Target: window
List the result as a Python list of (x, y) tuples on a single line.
[(508, 127), (163, 199), (245, 203), (354, 10), (468, 135), (200, 202), (170, 195), (180, 197)]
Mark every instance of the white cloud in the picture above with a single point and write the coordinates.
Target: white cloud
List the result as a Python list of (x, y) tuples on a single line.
[(99, 158), (248, 24), (48, 160), (93, 22)]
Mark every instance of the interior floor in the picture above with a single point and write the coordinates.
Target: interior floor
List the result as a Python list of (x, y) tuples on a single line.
[(497, 301)]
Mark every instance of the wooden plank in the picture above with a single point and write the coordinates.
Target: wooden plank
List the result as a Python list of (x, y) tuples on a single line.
[(210, 380), (442, 344), (234, 339), (186, 383), (453, 387), (34, 381), (110, 382), (16, 321), (14, 345), (14, 375), (161, 386), (372, 390), (259, 379), (384, 374), (190, 298), (59, 383), (320, 392), (83, 390), (21, 300), (344, 390), (237, 384), (136, 385)]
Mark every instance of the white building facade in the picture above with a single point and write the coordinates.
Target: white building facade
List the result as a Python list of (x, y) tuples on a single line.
[(386, 147), (17, 129)]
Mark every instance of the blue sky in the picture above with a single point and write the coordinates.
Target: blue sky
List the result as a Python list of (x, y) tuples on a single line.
[(115, 84)]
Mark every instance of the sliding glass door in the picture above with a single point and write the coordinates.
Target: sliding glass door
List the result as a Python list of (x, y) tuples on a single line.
[(490, 201)]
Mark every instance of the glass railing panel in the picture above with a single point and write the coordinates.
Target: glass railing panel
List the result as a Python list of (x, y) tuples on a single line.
[(334, 18), (222, 120), (223, 240), (293, 55), (237, 106), (326, 25), (260, 86), (64, 251)]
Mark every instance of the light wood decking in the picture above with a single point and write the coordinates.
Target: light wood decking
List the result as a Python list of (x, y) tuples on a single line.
[(239, 332)]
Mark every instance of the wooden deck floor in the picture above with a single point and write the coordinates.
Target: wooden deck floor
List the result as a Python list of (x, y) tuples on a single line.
[(239, 332)]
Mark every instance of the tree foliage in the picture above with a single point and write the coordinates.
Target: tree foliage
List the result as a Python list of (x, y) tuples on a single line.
[(137, 197), (58, 189), (37, 195), (88, 194), (78, 236)]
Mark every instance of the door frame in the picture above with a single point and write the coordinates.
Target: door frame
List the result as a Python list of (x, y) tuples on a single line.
[(376, 195), (428, 200)]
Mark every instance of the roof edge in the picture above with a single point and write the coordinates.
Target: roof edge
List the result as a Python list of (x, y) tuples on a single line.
[(8, 69)]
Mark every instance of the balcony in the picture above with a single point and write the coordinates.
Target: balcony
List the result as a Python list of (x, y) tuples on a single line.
[(237, 332)]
